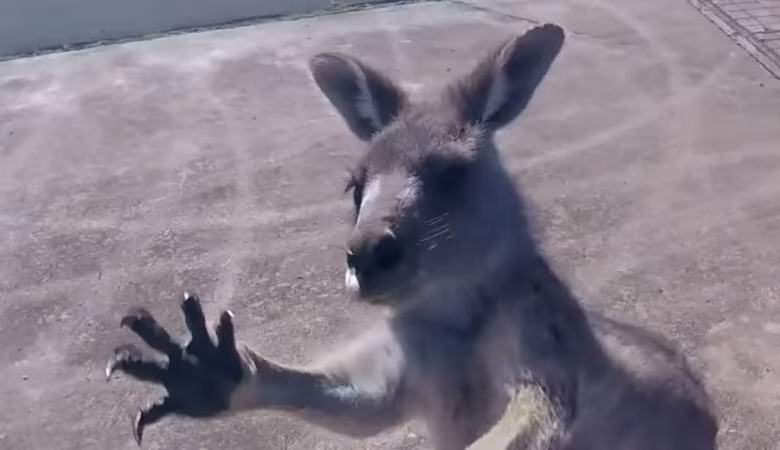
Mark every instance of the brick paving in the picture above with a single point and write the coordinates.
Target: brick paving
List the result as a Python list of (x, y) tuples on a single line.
[(754, 24)]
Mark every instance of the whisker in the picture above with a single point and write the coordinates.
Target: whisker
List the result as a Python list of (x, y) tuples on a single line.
[(438, 229)]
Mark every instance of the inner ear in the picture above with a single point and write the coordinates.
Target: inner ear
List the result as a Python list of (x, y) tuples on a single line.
[(366, 99), (502, 84)]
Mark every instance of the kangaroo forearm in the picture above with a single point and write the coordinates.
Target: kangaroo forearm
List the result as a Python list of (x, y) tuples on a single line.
[(529, 421), (322, 398)]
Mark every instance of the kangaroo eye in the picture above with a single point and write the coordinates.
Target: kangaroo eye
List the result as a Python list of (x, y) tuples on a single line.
[(355, 185), (357, 196)]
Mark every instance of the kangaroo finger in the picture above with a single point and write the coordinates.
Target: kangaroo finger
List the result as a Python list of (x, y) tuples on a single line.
[(226, 344), (149, 415), (196, 324), (142, 323), (129, 359)]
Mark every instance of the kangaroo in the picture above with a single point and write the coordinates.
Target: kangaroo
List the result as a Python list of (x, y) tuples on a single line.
[(483, 341)]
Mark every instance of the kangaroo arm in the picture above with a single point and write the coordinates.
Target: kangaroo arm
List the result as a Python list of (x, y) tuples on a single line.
[(528, 422), (359, 393)]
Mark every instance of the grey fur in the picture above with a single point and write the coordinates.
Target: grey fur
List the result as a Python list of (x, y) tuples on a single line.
[(484, 342)]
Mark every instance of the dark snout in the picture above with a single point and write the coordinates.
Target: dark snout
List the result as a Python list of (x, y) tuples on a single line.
[(378, 252), (372, 254)]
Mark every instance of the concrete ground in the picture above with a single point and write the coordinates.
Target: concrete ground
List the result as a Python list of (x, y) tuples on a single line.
[(210, 161), (754, 24), (35, 26)]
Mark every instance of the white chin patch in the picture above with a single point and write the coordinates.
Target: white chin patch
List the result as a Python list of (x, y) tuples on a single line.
[(351, 282)]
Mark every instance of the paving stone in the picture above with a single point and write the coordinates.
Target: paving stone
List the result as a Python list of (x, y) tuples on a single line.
[(755, 22)]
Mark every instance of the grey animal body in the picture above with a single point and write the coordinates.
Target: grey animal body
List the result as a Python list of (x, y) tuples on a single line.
[(483, 343)]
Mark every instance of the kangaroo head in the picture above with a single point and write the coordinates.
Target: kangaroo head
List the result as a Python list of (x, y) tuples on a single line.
[(432, 202)]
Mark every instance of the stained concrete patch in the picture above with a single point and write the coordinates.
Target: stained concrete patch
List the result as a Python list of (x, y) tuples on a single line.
[(210, 162)]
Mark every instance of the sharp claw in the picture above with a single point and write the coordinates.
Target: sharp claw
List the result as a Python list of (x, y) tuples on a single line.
[(131, 361), (226, 318), (149, 415), (110, 366), (114, 360)]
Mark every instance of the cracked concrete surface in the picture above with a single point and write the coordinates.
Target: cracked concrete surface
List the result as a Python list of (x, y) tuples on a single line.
[(210, 161)]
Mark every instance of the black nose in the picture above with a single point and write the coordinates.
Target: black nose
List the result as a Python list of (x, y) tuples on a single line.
[(379, 254), (387, 252)]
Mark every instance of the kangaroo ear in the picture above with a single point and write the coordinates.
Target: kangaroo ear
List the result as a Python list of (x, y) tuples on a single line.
[(366, 99), (501, 85)]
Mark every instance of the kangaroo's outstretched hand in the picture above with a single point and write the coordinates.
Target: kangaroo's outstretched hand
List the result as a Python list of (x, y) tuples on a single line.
[(199, 376)]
